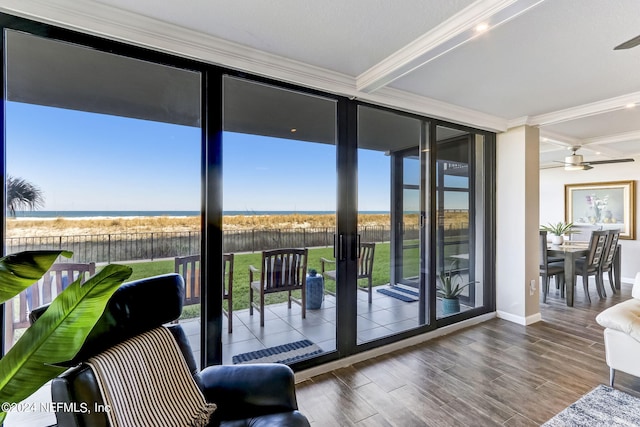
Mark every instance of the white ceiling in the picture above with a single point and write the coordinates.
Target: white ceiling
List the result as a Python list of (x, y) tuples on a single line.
[(547, 63)]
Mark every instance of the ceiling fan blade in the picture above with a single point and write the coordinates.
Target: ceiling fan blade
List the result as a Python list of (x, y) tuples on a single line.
[(629, 43), (604, 162)]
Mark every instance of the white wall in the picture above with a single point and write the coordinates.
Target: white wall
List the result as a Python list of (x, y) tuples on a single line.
[(517, 220), (552, 183)]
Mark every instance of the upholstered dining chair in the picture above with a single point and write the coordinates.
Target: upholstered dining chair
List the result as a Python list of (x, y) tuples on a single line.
[(607, 262), (365, 268), (590, 265), (245, 395), (549, 269), (281, 270)]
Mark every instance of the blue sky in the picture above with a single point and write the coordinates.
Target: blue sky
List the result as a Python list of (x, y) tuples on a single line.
[(87, 161)]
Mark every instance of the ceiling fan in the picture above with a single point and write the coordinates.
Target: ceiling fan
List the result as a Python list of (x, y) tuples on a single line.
[(628, 44), (575, 162)]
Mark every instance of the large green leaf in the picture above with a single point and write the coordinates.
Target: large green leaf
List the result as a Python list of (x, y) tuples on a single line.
[(57, 335), (18, 271)]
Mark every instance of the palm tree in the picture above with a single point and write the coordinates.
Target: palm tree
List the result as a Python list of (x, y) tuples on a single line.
[(22, 194)]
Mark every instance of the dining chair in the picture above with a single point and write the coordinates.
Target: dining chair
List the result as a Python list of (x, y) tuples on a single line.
[(549, 269), (189, 268), (281, 270), (590, 265), (607, 262), (365, 268)]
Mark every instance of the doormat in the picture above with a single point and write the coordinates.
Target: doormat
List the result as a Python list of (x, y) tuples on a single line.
[(286, 353), (401, 292), (602, 406)]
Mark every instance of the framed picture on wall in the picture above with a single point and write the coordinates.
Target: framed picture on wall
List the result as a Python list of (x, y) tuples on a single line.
[(604, 205)]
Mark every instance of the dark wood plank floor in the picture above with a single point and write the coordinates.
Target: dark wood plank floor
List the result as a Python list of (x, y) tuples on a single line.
[(495, 373)]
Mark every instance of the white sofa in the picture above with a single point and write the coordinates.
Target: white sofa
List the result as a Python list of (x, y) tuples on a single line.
[(622, 334)]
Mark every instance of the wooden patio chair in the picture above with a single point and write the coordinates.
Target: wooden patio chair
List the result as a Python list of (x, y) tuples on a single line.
[(45, 290), (189, 268), (365, 268), (282, 270)]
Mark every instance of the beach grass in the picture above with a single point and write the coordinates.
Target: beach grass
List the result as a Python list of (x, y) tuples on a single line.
[(61, 226)]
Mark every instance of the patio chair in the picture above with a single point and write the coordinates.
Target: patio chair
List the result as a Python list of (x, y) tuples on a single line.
[(189, 268), (282, 270), (365, 268), (45, 290)]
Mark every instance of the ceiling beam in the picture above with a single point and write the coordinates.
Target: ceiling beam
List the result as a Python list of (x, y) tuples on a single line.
[(450, 34), (586, 110)]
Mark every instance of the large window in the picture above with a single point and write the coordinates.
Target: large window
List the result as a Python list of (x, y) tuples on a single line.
[(94, 134), (137, 161)]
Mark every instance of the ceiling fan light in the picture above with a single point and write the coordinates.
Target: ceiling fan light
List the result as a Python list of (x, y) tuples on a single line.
[(574, 167), (573, 163)]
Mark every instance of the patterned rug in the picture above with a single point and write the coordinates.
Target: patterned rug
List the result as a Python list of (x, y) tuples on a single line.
[(602, 406), (286, 353), (401, 292)]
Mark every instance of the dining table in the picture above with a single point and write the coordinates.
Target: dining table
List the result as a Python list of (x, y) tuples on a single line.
[(571, 251)]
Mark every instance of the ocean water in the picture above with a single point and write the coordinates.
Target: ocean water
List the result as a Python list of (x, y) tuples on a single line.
[(93, 214)]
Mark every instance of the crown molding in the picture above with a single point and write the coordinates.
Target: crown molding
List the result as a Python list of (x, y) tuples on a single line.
[(117, 24), (520, 121), (559, 139), (586, 110), (618, 137), (450, 34), (407, 101)]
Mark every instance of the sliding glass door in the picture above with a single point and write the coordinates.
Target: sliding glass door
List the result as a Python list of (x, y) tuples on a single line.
[(460, 193), (279, 193), (391, 172)]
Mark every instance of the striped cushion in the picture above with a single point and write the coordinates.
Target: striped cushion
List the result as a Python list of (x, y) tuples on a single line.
[(145, 381)]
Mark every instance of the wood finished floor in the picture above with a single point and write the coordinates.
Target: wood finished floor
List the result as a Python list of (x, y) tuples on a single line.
[(495, 373)]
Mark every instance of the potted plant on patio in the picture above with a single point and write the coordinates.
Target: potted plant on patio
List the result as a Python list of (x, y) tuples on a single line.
[(449, 288), (558, 230)]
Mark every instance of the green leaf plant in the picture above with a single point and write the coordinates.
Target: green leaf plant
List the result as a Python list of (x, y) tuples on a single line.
[(451, 284), (59, 333), (559, 228)]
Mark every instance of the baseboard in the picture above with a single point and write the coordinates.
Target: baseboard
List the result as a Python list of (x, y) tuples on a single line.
[(369, 354), (529, 320)]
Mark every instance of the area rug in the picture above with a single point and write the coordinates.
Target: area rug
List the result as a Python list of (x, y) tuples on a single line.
[(401, 292), (602, 406), (286, 353)]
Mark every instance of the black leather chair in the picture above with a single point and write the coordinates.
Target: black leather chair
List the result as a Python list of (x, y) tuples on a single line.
[(246, 395)]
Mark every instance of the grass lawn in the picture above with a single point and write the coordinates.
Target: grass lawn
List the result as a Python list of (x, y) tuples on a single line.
[(381, 272), (241, 272)]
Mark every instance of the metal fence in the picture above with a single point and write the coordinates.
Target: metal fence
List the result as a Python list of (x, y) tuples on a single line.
[(107, 248)]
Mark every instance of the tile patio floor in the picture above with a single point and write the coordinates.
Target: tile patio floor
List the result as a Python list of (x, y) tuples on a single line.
[(384, 316)]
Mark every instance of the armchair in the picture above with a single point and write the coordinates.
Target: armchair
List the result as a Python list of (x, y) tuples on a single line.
[(622, 334), (260, 394)]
